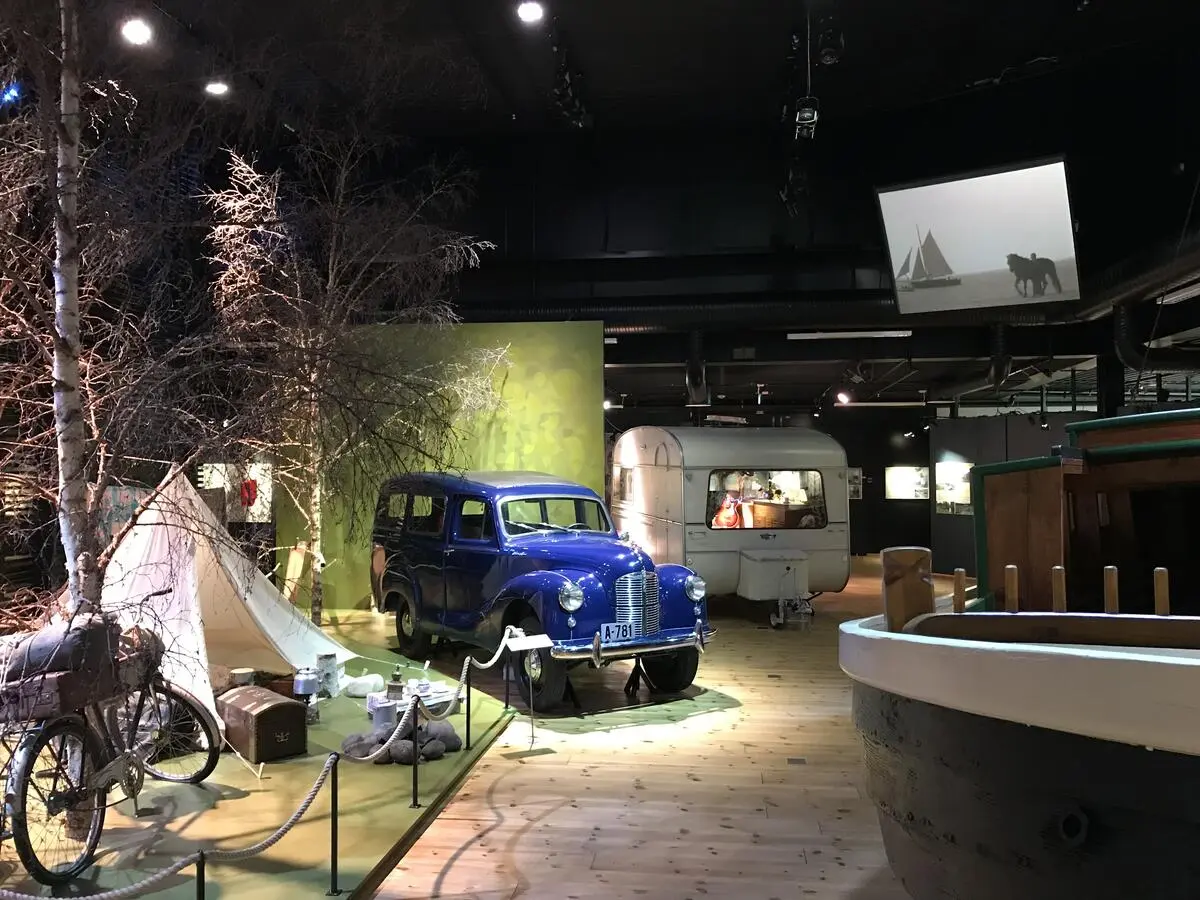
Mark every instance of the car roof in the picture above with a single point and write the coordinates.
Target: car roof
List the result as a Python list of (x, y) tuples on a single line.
[(491, 483)]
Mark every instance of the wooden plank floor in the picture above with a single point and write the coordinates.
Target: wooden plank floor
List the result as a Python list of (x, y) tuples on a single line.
[(748, 789)]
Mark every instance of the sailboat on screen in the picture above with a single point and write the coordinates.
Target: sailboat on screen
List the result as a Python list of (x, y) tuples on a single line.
[(925, 266)]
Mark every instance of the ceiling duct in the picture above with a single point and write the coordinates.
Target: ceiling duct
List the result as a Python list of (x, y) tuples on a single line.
[(998, 373), (696, 376), (1135, 355)]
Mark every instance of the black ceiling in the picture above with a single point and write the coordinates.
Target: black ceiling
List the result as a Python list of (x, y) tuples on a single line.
[(470, 65), (928, 87)]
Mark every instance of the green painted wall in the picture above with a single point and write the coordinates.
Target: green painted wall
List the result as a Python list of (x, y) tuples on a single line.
[(551, 420)]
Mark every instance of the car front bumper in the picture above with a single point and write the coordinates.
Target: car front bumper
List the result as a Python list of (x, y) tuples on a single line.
[(662, 642)]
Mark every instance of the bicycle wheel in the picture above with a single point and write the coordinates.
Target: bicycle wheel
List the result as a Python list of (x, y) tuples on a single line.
[(56, 818), (177, 739)]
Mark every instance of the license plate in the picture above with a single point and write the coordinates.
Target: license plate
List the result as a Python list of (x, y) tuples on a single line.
[(611, 632)]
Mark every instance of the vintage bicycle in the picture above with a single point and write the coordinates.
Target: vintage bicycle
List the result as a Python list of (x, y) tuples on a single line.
[(82, 720)]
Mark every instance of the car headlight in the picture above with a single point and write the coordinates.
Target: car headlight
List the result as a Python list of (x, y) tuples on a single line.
[(695, 588), (570, 596)]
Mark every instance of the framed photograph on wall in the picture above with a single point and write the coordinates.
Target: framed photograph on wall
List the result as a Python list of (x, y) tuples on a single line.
[(906, 483), (854, 482), (953, 492)]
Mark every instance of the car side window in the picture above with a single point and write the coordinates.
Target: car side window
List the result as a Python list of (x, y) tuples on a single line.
[(428, 515), (394, 508), (475, 521)]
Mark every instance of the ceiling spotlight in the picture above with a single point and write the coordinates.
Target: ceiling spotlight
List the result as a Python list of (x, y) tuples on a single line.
[(216, 88), (137, 32), (530, 12), (843, 397)]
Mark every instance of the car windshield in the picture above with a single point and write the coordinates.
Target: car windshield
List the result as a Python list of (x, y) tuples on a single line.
[(534, 515)]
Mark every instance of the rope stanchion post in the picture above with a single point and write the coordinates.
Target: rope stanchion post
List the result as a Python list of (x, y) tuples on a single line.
[(506, 671), (467, 740), (200, 875), (416, 787), (334, 890)]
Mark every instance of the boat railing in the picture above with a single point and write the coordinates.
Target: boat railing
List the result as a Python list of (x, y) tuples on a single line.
[(910, 607)]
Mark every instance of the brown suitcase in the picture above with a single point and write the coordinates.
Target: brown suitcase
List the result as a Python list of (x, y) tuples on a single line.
[(263, 726)]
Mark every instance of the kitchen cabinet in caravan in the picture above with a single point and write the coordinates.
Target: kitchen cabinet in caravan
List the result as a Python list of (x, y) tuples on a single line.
[(762, 513)]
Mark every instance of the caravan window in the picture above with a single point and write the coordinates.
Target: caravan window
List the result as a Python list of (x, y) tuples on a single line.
[(766, 499)]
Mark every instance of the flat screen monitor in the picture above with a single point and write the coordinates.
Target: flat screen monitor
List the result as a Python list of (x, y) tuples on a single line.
[(1000, 238)]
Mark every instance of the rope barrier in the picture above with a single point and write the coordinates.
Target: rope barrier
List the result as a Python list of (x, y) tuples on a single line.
[(416, 706)]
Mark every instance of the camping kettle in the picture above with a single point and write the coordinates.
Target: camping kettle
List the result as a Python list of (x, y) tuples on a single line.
[(305, 683)]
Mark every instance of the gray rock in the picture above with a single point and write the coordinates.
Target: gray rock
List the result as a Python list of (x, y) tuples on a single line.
[(402, 752)]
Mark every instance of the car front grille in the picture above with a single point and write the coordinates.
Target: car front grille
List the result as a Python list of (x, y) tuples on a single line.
[(637, 602)]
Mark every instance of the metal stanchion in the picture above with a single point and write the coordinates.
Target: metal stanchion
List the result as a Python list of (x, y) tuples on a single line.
[(416, 798), (200, 877), (333, 891), (467, 742), (506, 670)]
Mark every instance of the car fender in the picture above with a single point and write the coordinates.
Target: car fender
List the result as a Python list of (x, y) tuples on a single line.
[(538, 590), (398, 579), (676, 610)]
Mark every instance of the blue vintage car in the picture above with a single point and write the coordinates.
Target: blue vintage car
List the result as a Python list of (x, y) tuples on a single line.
[(462, 558)]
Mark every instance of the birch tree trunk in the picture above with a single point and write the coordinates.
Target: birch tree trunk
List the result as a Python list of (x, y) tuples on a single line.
[(69, 424), (317, 608)]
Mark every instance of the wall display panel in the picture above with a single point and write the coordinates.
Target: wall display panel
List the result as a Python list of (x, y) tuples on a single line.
[(952, 494), (854, 483), (906, 483), (1000, 238)]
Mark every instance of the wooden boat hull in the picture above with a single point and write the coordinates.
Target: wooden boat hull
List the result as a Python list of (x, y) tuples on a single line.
[(978, 808), (936, 283)]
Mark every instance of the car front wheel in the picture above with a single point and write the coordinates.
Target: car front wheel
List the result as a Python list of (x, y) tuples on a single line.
[(670, 673), (411, 641), (541, 679)]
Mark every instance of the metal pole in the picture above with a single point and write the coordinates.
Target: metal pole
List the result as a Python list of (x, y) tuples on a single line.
[(507, 671), (416, 801), (334, 891), (467, 743), (200, 877)]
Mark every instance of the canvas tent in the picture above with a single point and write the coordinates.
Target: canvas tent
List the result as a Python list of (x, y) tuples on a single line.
[(179, 573)]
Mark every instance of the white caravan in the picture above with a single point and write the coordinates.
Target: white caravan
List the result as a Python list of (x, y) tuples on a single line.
[(763, 513)]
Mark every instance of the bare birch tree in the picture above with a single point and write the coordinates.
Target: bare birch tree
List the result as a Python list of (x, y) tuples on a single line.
[(312, 267), (118, 358)]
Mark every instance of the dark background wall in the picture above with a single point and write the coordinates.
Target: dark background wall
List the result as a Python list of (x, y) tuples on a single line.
[(695, 192), (875, 439), (981, 440)]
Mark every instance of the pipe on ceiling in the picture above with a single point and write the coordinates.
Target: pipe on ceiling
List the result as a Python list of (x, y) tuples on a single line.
[(650, 315), (999, 372), (1135, 355), (696, 376)]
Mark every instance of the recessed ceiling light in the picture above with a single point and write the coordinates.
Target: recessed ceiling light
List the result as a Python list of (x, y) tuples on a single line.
[(137, 32), (531, 12), (216, 88)]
